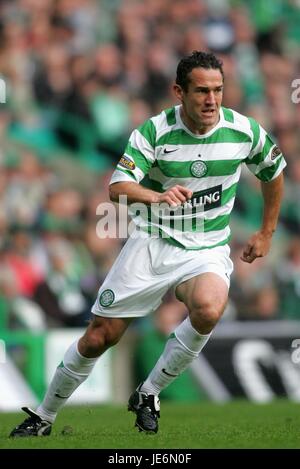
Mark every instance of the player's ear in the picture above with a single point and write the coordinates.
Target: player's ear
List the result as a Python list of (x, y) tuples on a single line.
[(178, 91)]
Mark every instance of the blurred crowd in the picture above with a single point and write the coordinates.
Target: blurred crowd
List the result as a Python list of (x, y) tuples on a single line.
[(80, 75)]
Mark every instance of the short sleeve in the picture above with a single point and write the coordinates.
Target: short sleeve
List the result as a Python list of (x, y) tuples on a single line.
[(265, 160), (139, 155)]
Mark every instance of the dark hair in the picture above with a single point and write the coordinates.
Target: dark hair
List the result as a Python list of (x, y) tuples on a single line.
[(196, 59)]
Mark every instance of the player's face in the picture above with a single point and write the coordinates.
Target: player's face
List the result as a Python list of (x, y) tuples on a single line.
[(202, 101)]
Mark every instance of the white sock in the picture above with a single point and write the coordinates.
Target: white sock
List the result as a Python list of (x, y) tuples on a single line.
[(182, 347), (72, 371)]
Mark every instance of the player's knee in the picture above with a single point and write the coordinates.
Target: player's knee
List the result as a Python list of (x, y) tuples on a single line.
[(205, 314), (112, 337), (99, 339), (92, 344)]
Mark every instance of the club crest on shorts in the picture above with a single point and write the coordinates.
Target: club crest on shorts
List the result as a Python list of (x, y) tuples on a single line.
[(198, 169), (107, 298)]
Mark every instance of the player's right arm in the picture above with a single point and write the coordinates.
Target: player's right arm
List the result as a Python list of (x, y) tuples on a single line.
[(138, 159), (136, 193)]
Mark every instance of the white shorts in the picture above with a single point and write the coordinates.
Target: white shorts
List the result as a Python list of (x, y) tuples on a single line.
[(147, 268)]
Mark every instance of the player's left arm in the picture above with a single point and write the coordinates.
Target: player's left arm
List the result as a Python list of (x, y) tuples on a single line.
[(260, 242)]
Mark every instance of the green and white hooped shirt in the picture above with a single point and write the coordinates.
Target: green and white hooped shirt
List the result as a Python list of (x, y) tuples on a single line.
[(163, 152)]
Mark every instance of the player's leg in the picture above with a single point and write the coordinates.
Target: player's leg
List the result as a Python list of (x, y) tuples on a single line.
[(202, 280), (205, 297), (130, 289), (74, 369)]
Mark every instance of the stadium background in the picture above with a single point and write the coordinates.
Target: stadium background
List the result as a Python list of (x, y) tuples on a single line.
[(80, 75)]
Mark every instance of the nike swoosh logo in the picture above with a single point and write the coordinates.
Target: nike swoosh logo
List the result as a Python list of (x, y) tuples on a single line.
[(169, 374), (61, 397), (170, 151)]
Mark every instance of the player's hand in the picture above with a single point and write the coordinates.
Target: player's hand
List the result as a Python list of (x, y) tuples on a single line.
[(258, 246), (175, 196)]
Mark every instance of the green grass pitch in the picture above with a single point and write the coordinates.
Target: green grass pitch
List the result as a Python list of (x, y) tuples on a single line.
[(234, 425)]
